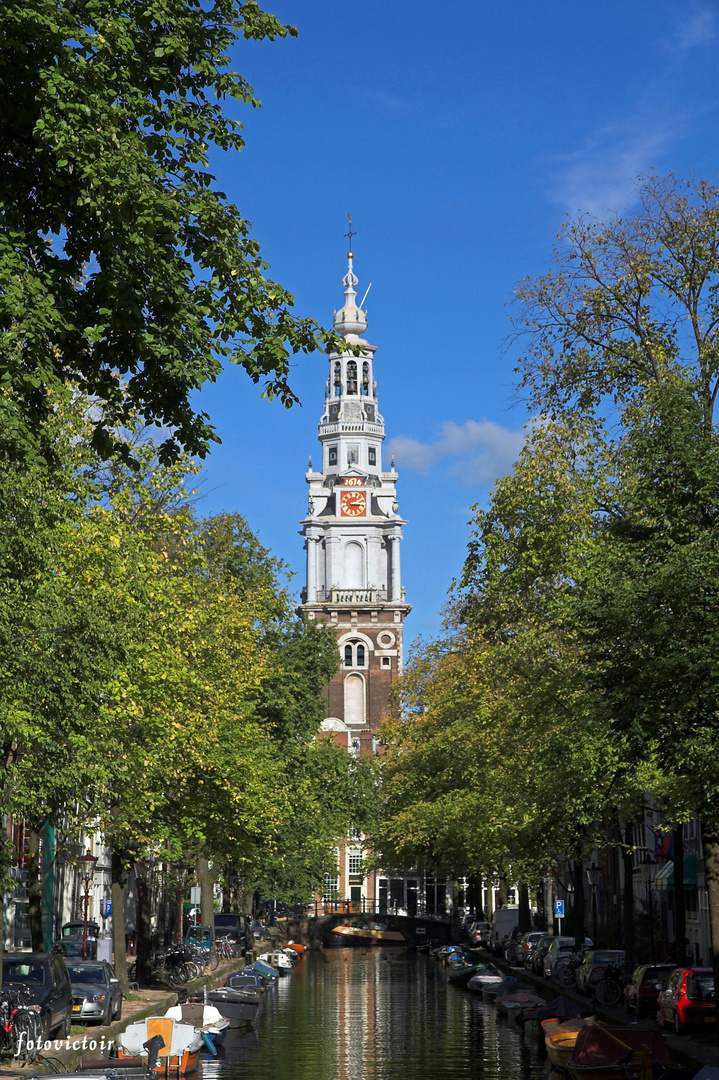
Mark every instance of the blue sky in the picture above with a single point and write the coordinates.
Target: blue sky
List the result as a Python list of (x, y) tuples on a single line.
[(459, 136)]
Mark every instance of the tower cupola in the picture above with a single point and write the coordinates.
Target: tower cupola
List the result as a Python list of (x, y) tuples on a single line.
[(350, 321)]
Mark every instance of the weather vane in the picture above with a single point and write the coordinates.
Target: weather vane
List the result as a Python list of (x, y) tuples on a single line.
[(349, 234)]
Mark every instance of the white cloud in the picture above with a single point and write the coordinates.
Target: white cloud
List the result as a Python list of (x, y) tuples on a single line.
[(601, 175), (697, 30), (478, 451)]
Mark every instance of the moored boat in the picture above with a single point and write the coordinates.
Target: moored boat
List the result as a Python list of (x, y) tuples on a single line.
[(560, 1038), (616, 1053), (239, 1006), (278, 960), (512, 1004), (460, 974), (364, 933), (205, 1018), (182, 1044)]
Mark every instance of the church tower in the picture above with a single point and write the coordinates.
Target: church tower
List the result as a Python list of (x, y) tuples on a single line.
[(352, 535)]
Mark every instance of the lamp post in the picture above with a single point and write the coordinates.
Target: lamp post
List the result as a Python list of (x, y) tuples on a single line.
[(87, 869), (181, 871), (593, 875), (648, 869)]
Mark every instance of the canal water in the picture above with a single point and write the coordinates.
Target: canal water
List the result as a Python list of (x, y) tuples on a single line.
[(350, 1014)]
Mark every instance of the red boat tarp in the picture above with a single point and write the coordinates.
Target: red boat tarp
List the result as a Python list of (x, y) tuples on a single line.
[(597, 1045)]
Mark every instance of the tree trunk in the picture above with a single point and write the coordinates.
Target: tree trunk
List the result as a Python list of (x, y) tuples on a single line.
[(578, 878), (628, 899), (680, 917), (710, 844), (503, 890), (34, 887), (117, 893), (525, 915), (205, 880), (144, 930)]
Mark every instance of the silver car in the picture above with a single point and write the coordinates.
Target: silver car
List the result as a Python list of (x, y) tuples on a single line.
[(96, 993)]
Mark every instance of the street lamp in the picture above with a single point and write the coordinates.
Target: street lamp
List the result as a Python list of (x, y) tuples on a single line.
[(181, 871), (647, 869), (593, 875), (87, 869)]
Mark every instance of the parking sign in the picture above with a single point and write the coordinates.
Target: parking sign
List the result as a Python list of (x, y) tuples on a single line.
[(558, 909)]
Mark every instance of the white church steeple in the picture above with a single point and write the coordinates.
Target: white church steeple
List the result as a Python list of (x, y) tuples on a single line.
[(353, 528)]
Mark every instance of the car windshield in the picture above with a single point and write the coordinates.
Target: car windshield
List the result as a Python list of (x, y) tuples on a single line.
[(607, 957), (20, 971), (656, 974), (86, 974), (700, 987)]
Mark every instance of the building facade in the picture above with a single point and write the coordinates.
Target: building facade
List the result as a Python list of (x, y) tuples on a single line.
[(352, 533)]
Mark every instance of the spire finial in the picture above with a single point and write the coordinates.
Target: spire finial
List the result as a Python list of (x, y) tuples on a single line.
[(349, 234)]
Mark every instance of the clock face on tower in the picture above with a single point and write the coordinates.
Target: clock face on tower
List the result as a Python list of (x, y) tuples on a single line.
[(353, 503)]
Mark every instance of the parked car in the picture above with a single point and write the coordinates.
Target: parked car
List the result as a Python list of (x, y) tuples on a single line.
[(504, 921), (45, 975), (237, 927), (642, 991), (96, 993), (539, 953), (561, 946), (69, 943), (526, 947), (594, 965), (478, 934), (687, 999)]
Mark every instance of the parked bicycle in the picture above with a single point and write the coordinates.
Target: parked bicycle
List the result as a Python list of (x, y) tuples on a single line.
[(566, 967), (19, 1025), (609, 989)]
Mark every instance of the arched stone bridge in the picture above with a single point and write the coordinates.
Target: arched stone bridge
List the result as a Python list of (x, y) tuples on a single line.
[(417, 929)]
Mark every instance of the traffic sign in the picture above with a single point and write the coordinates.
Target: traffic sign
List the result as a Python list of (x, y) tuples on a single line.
[(558, 909)]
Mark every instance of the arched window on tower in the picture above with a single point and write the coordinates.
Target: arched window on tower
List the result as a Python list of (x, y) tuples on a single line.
[(355, 654), (351, 376), (348, 655), (365, 378), (338, 379), (360, 656)]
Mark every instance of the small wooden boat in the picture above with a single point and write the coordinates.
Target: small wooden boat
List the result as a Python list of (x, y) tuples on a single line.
[(296, 946), (488, 976), (616, 1053), (460, 974), (244, 979), (204, 1017), (239, 1006), (512, 1004), (269, 973), (364, 933), (182, 1044), (277, 960), (560, 1037)]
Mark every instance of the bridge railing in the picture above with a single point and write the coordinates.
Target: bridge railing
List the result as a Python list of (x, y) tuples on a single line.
[(367, 906)]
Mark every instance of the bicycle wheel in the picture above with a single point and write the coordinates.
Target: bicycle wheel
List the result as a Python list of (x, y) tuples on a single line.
[(214, 959), (193, 968), (566, 976), (607, 992), (177, 974), (24, 1037)]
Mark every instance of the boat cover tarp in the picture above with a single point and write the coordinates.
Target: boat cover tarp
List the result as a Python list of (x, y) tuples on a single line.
[(602, 1045), (709, 1072), (521, 998), (559, 1008)]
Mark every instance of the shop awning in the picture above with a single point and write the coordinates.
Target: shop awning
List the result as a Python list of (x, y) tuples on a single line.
[(665, 876)]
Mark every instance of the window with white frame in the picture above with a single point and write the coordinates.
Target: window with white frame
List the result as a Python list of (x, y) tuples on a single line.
[(330, 883), (354, 862), (355, 654)]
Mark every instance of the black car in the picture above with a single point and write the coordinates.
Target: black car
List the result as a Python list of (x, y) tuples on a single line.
[(45, 975), (96, 992)]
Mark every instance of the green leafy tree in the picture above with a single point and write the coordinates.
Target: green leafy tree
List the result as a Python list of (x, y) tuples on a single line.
[(125, 274)]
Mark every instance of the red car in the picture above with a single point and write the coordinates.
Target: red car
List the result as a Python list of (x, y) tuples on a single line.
[(640, 995), (687, 999)]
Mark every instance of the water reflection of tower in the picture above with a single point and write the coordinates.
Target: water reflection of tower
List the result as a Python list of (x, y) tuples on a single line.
[(359, 979)]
